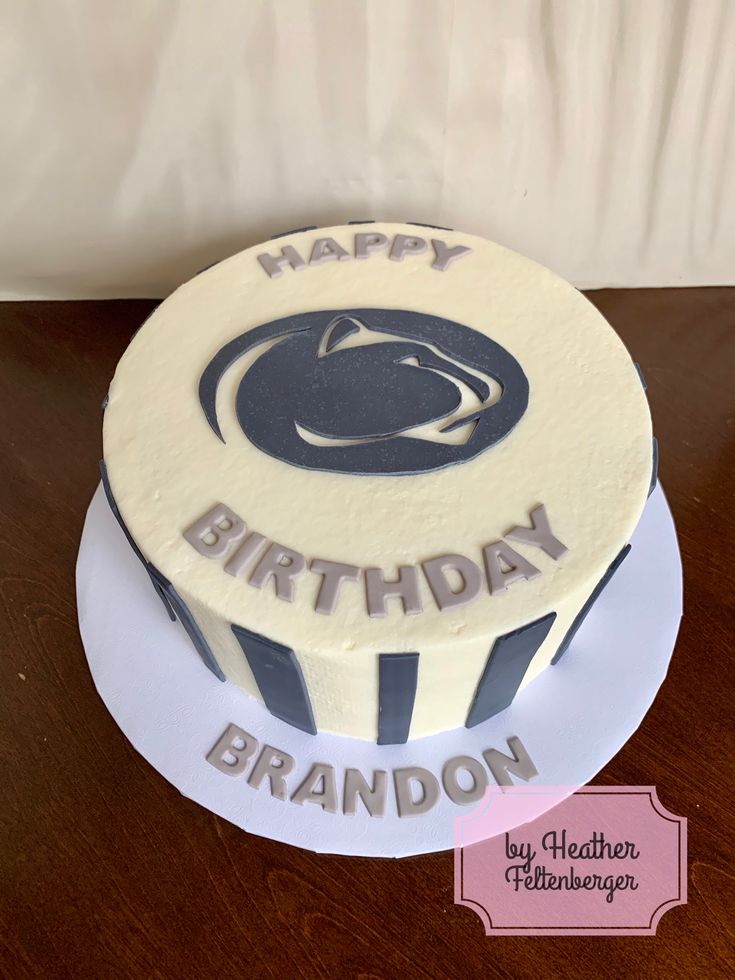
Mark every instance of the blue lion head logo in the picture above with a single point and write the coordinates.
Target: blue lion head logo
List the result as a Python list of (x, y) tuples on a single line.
[(357, 391)]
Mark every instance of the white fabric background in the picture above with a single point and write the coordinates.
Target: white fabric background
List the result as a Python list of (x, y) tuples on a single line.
[(144, 140)]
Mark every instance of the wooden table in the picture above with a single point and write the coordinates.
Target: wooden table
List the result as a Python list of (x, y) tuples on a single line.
[(106, 871)]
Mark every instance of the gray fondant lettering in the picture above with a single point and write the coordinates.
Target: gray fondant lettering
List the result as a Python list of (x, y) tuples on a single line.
[(282, 566), (368, 242), (539, 534), (454, 580), (252, 546), (274, 265), (497, 555), (327, 250), (333, 573), (357, 787), (405, 588), (457, 793), (275, 765), (445, 255), (416, 789), (506, 667), (318, 787), (236, 744), (502, 766), (407, 803), (365, 244), (445, 597), (220, 523), (406, 245)]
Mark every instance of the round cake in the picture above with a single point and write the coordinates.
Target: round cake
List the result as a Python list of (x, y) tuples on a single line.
[(379, 472)]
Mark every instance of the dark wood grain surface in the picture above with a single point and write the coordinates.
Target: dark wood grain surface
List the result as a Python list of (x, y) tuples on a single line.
[(106, 871)]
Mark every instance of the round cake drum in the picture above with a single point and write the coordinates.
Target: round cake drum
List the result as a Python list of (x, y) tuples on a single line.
[(566, 724)]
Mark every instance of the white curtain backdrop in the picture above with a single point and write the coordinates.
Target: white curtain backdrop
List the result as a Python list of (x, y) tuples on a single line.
[(144, 140)]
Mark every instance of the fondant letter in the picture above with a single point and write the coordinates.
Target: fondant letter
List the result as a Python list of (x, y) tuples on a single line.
[(283, 566), (318, 787), (274, 764), (539, 534), (372, 796), (408, 805), (274, 265), (368, 242), (520, 764), (455, 792), (518, 568), (405, 588), (220, 524), (333, 573), (327, 250), (435, 571), (445, 256), (234, 744), (251, 546), (406, 245)]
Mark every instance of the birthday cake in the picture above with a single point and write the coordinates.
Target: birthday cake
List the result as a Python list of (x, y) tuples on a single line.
[(378, 472)]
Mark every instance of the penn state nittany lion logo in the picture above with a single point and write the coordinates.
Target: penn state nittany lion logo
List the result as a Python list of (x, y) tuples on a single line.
[(370, 391)]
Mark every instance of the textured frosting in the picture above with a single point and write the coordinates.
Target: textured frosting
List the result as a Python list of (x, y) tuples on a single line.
[(582, 448)]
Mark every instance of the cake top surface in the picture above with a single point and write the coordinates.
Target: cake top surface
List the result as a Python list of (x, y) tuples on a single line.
[(379, 396)]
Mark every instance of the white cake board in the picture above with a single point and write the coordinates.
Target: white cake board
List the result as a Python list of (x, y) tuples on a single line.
[(572, 719)]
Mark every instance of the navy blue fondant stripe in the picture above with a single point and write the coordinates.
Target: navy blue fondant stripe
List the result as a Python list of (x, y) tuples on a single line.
[(424, 224), (654, 467), (582, 614), (141, 557), (398, 674), (294, 231), (279, 678), (160, 591), (205, 267), (116, 512), (186, 619), (641, 375), (505, 668), (172, 601)]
